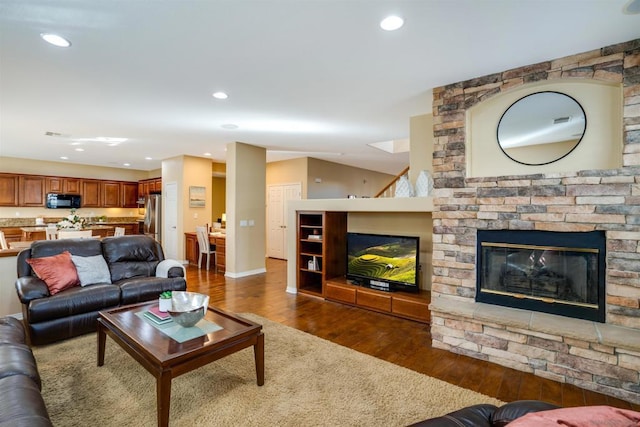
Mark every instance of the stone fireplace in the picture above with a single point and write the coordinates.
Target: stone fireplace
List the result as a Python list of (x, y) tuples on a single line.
[(600, 354), (557, 273)]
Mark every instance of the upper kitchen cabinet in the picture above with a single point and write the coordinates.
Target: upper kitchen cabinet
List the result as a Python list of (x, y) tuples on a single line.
[(110, 194), (129, 194), (55, 184), (8, 190), (91, 195), (31, 190)]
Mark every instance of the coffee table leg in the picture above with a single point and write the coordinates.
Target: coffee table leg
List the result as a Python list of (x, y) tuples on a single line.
[(258, 352), (163, 395), (102, 339)]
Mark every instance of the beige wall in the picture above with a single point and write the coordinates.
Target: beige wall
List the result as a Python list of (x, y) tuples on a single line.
[(218, 197), (187, 171), (421, 145), (417, 224), (9, 302), (339, 181), (289, 172), (39, 167), (600, 148), (246, 201)]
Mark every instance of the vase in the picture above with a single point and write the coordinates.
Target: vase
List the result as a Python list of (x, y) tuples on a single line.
[(424, 184), (164, 304)]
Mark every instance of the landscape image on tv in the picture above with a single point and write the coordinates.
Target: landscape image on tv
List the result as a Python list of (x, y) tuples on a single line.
[(386, 258)]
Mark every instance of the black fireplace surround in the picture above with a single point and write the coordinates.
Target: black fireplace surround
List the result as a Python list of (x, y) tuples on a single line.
[(560, 273)]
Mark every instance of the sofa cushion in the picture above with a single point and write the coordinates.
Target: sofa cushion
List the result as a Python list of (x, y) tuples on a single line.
[(57, 271), (91, 269), (74, 301), (131, 256), (582, 416), (17, 359), (22, 404), (139, 289), (11, 330)]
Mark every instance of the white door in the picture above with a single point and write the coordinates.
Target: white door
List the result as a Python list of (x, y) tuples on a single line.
[(170, 230), (277, 196)]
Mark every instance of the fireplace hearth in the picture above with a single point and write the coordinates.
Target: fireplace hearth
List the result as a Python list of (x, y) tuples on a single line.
[(553, 272)]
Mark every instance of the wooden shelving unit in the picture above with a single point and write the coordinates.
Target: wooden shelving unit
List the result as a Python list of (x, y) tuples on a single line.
[(317, 232), (414, 306)]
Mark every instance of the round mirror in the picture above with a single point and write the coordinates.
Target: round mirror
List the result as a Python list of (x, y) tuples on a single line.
[(541, 128)]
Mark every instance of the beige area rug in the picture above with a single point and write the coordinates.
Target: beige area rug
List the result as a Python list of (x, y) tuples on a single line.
[(308, 381)]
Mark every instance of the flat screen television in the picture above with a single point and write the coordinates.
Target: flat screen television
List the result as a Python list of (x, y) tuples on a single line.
[(387, 263)]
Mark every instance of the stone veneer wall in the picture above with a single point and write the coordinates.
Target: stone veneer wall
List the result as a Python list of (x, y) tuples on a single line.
[(573, 201)]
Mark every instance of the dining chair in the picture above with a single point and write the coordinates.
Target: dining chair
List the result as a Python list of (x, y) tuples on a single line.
[(3, 241), (119, 231), (74, 234), (51, 232), (205, 246)]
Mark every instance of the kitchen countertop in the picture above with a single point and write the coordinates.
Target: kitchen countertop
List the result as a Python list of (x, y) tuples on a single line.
[(88, 227)]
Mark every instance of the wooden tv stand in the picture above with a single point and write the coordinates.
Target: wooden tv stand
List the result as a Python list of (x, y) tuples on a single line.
[(414, 306)]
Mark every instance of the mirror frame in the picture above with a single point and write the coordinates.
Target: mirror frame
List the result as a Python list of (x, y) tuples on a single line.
[(551, 161)]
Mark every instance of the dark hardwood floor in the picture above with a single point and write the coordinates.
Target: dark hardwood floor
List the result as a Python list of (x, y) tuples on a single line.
[(399, 341)]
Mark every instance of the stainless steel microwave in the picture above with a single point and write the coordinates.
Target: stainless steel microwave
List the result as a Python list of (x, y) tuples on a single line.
[(63, 201)]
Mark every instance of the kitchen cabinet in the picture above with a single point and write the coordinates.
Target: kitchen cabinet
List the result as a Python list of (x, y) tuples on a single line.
[(110, 194), (91, 196), (8, 190), (31, 190), (149, 186), (56, 184), (129, 194)]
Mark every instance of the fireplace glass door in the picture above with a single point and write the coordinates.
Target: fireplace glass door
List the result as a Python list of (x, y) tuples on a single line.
[(551, 278)]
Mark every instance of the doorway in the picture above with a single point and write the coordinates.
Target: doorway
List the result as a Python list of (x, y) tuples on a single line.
[(277, 197)]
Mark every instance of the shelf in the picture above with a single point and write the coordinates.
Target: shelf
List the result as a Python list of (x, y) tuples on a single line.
[(332, 226)]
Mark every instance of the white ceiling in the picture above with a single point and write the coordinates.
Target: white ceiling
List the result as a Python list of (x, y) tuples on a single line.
[(314, 78)]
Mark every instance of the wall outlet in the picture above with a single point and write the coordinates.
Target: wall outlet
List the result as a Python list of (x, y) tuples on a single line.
[(243, 223), (251, 223), (195, 215)]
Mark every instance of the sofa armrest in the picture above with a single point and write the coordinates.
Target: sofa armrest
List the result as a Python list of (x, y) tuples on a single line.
[(471, 416), (30, 288), (170, 268)]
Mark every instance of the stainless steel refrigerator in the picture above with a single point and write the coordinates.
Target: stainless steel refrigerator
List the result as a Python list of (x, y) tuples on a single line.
[(153, 216)]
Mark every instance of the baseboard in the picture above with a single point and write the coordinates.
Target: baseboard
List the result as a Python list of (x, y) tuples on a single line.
[(245, 273)]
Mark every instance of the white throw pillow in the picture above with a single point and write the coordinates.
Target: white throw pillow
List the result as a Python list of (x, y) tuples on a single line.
[(91, 269)]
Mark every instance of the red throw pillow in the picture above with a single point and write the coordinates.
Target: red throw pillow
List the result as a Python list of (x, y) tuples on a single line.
[(57, 271), (583, 416)]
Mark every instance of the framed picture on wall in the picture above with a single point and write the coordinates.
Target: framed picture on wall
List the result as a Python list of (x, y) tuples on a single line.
[(197, 197)]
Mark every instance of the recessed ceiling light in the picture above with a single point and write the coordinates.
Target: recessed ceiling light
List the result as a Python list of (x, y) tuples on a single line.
[(64, 157), (220, 95), (207, 154), (391, 23), (148, 158), (55, 40), (127, 164), (79, 149), (230, 126)]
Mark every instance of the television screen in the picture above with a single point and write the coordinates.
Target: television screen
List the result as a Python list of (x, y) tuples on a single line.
[(388, 263)]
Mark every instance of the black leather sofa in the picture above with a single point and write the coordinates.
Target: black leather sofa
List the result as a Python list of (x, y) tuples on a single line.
[(21, 404), (485, 415), (132, 262)]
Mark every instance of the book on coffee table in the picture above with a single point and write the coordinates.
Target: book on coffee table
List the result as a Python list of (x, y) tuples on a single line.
[(157, 316)]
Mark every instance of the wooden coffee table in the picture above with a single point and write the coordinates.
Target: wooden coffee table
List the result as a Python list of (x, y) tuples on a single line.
[(166, 358)]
